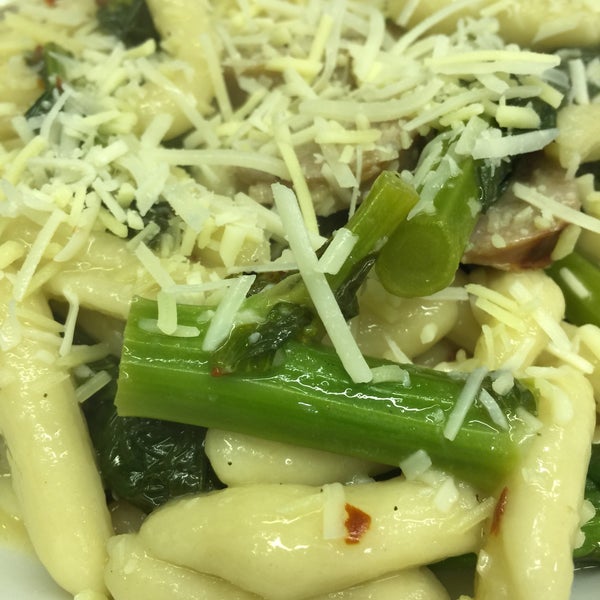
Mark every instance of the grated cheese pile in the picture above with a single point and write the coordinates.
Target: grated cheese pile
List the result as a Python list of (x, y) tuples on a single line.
[(318, 94)]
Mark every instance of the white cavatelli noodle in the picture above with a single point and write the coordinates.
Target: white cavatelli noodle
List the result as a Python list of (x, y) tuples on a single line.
[(512, 337), (132, 572), (544, 498), (415, 324), (239, 533), (240, 459), (50, 452)]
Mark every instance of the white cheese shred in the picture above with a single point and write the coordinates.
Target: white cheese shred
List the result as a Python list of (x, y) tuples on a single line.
[(224, 317), (465, 400), (337, 252), (36, 253), (167, 312), (92, 385), (414, 465), (321, 294), (557, 209), (334, 511), (152, 264), (493, 408), (70, 322)]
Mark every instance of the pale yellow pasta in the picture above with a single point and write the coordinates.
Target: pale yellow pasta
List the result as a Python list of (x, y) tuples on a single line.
[(131, 572), (541, 23), (181, 24), (412, 325), (50, 452), (411, 584), (240, 459), (537, 518), (579, 137), (514, 317), (240, 533), (19, 36), (586, 340), (105, 277)]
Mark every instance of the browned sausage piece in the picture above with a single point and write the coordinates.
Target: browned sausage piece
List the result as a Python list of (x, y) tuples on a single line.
[(513, 235)]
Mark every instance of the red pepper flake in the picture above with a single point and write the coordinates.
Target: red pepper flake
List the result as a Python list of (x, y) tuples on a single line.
[(499, 511), (357, 524), (51, 3), (217, 371)]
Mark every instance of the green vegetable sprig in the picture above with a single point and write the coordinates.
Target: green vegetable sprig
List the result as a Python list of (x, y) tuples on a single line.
[(306, 398), (273, 379), (284, 311), (424, 252)]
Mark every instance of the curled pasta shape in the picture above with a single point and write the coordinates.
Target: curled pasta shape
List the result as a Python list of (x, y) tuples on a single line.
[(538, 513), (240, 459), (413, 324), (181, 24), (52, 460), (410, 584), (276, 540), (512, 332), (131, 572)]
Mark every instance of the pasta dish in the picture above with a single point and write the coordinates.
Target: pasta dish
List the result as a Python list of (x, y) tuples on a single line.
[(300, 300)]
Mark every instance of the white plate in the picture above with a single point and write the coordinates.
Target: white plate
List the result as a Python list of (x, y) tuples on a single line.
[(23, 578)]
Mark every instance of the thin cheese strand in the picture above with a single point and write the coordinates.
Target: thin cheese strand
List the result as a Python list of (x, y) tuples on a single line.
[(317, 286)]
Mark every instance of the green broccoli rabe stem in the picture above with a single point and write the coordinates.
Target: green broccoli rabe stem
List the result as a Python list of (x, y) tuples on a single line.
[(423, 254), (306, 398), (285, 311), (579, 280), (383, 210)]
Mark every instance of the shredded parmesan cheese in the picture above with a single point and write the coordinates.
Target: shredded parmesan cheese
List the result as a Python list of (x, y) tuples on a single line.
[(334, 511), (224, 317), (464, 402), (318, 288)]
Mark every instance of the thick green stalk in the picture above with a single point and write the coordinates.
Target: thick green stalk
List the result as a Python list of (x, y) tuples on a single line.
[(579, 280), (383, 210), (285, 311), (423, 254), (306, 398)]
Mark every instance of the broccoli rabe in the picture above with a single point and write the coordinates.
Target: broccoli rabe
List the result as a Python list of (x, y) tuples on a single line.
[(145, 461), (589, 551), (579, 279), (128, 20), (273, 378), (284, 311)]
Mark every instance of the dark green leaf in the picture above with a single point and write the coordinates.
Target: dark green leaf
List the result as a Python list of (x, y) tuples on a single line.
[(146, 461), (129, 20)]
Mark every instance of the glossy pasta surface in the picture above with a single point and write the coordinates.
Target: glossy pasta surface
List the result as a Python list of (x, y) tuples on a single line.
[(185, 151)]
